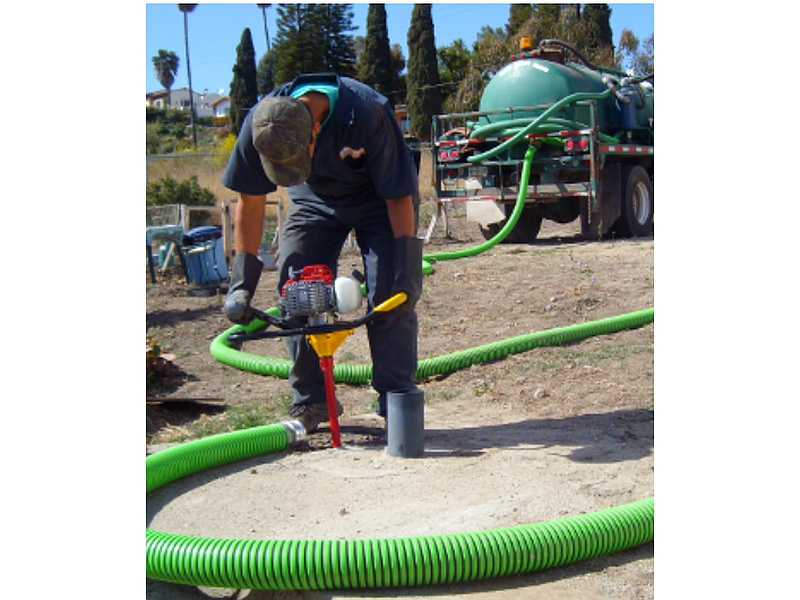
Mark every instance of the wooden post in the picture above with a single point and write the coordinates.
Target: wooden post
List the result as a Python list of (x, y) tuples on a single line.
[(228, 208)]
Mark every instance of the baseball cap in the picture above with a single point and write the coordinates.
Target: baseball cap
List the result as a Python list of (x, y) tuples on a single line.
[(281, 134)]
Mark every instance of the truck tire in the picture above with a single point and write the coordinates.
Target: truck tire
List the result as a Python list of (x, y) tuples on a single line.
[(637, 203), (524, 232)]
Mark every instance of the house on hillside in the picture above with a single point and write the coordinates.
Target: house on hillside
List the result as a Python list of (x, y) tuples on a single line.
[(207, 104), (221, 106)]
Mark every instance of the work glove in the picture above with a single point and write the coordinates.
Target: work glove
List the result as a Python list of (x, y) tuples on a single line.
[(244, 278), (408, 270)]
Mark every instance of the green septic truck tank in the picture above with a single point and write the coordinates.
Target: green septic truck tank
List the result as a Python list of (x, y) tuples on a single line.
[(585, 134), (535, 83)]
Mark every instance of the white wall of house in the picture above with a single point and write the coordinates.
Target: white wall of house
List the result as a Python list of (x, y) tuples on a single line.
[(222, 107), (179, 98)]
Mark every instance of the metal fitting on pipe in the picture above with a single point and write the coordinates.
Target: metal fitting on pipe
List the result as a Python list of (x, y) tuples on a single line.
[(295, 432)]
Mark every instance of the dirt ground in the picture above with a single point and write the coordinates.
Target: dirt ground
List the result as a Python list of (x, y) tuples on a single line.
[(537, 436)]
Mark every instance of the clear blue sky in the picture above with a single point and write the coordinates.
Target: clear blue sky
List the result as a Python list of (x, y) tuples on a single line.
[(216, 29)]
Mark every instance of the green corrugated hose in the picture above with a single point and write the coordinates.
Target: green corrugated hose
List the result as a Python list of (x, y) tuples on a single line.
[(535, 124), (439, 365), (273, 564), (383, 562), (223, 351)]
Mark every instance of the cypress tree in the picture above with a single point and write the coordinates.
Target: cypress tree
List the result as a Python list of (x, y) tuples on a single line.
[(518, 15), (377, 69), (424, 95), (595, 39), (244, 87), (598, 17)]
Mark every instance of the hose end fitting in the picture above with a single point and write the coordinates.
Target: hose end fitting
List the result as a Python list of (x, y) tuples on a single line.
[(295, 430)]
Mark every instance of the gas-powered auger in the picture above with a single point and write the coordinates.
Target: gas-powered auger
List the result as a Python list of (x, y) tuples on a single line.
[(311, 300)]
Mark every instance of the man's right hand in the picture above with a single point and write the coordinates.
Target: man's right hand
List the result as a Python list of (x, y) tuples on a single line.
[(243, 282), (237, 307)]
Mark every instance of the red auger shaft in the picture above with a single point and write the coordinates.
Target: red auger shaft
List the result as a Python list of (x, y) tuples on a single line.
[(326, 364)]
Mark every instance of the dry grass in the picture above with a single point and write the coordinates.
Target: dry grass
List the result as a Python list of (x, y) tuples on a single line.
[(426, 174)]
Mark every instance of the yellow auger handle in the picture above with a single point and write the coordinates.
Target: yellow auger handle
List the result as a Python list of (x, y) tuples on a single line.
[(391, 303)]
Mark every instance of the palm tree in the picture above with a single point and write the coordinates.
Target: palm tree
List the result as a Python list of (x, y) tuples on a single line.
[(166, 65), (186, 9)]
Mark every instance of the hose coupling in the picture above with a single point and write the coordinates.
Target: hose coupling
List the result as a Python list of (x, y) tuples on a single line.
[(295, 430)]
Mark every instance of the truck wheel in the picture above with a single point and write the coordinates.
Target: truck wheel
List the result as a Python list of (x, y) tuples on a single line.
[(524, 232), (637, 203)]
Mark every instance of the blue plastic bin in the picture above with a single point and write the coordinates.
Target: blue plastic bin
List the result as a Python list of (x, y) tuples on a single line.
[(205, 255)]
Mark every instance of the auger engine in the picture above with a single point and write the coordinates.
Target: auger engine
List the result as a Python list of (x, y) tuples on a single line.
[(311, 300), (313, 295)]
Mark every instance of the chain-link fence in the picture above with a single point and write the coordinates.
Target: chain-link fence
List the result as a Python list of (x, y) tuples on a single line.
[(209, 168)]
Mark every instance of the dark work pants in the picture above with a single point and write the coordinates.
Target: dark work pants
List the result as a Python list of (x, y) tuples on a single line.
[(314, 233)]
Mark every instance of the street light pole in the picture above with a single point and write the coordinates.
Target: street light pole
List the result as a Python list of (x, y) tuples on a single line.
[(264, 8), (186, 9)]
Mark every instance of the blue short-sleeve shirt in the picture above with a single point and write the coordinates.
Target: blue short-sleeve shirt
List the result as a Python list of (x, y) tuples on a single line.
[(361, 125)]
